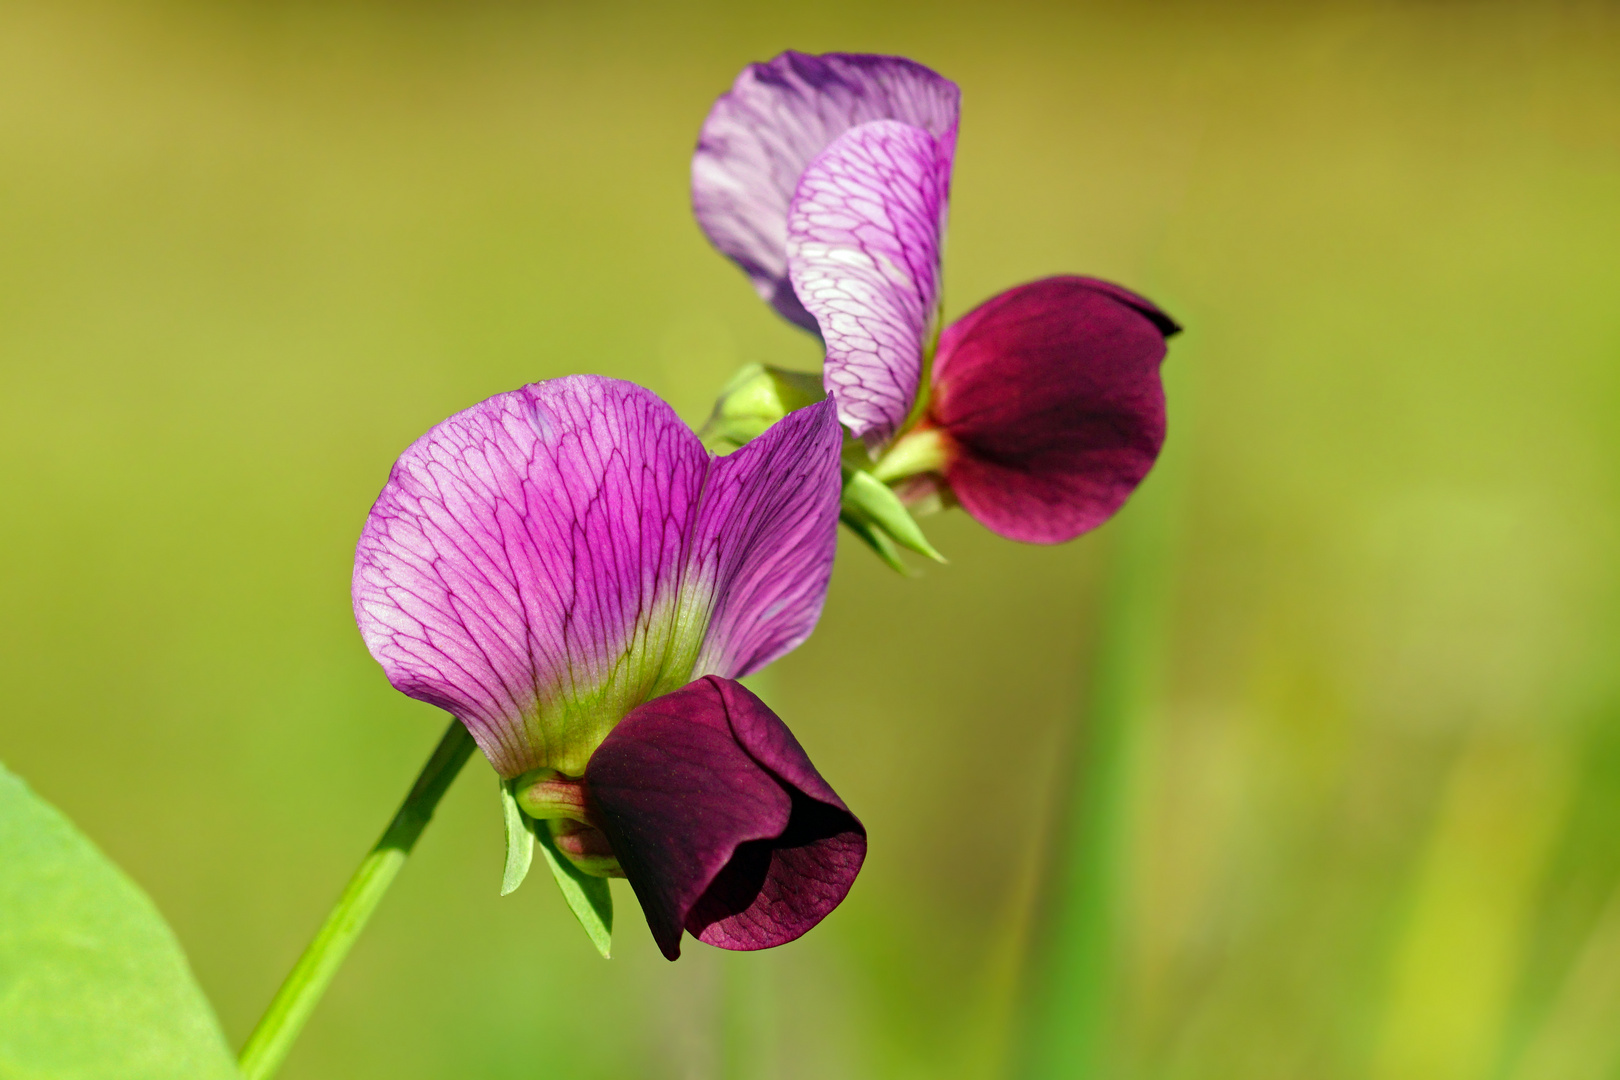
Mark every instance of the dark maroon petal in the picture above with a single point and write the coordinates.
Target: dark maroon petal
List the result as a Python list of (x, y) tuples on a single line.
[(1051, 397), (721, 823)]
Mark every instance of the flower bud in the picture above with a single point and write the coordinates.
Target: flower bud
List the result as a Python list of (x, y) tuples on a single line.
[(756, 397)]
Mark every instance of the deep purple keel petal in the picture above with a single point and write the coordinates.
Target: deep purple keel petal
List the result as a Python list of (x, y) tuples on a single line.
[(864, 238), (776, 118), (1051, 398), (721, 823), (766, 535)]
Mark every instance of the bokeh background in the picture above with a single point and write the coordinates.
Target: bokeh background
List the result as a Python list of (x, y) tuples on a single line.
[(249, 251)]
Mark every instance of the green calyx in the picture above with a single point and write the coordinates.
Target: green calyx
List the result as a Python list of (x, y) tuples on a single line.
[(913, 454), (546, 806), (756, 397), (875, 513), (759, 395), (548, 795)]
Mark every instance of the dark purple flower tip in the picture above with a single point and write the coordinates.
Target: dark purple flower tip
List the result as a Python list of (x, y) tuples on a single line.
[(1050, 398), (720, 821)]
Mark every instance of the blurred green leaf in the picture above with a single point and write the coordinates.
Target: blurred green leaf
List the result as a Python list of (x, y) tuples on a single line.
[(92, 981), (588, 897), (519, 840)]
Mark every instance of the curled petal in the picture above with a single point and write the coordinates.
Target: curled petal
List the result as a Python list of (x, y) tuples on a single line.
[(767, 531), (776, 118), (723, 826), (864, 239), (533, 563), (1050, 397)]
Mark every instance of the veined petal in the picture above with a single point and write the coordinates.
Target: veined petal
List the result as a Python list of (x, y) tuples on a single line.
[(766, 533), (864, 238), (776, 118), (1050, 396), (522, 551), (723, 826), (534, 567)]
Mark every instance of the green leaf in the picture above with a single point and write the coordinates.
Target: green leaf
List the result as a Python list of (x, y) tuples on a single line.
[(93, 985), (588, 897), (873, 499), (519, 840)]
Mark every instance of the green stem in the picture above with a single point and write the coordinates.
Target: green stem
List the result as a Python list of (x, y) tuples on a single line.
[(302, 991), (1073, 1014)]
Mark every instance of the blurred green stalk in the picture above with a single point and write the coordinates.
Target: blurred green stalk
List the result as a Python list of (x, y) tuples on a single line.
[(273, 1037), (1075, 950), (747, 1017)]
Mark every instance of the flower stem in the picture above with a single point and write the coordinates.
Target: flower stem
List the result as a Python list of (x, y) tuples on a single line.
[(298, 996)]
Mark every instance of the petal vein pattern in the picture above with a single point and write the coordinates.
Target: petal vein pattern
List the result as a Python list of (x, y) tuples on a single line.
[(864, 240), (528, 566), (776, 119), (770, 543)]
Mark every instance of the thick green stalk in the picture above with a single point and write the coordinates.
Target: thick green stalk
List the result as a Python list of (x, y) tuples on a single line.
[(1076, 953), (298, 996)]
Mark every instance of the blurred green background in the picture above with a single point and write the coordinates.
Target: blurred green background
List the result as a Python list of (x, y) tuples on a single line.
[(249, 251)]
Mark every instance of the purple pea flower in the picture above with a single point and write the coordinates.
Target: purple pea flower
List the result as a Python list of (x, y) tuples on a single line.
[(571, 574), (827, 179)]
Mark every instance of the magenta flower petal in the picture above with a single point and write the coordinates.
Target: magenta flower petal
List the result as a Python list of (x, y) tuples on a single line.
[(776, 118), (719, 820), (543, 562), (1050, 397), (864, 238), (766, 535)]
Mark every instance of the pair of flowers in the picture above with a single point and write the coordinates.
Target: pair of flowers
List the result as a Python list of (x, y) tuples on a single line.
[(567, 570)]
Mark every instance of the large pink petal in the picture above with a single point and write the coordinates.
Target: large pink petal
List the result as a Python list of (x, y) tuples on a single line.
[(777, 117), (864, 240), (1051, 398), (541, 563)]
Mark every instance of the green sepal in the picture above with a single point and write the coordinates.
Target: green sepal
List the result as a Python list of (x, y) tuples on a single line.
[(519, 839), (588, 897), (878, 540), (874, 501), (756, 397)]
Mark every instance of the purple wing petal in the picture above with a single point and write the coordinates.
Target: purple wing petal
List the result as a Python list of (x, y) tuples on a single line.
[(777, 117), (521, 551), (721, 823), (864, 238), (765, 535), (1051, 398)]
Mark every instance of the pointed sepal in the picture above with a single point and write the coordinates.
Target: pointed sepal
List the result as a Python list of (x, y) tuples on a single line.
[(589, 898), (874, 502), (876, 539), (519, 839)]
